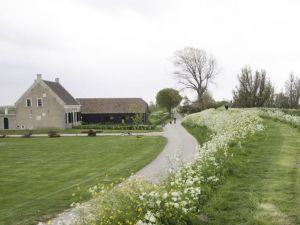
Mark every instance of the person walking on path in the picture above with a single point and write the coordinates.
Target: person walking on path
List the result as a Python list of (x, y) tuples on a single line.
[(174, 119)]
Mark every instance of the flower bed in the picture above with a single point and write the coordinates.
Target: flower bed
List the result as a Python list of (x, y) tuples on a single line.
[(177, 200)]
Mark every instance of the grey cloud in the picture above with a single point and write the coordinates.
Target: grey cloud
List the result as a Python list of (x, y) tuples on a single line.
[(144, 7), (27, 37)]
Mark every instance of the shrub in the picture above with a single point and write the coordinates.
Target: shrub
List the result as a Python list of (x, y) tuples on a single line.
[(92, 133), (87, 131), (53, 134), (27, 134), (159, 117), (116, 127)]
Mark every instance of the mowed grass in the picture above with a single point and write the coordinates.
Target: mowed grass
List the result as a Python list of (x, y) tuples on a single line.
[(263, 185), (201, 133), (38, 176)]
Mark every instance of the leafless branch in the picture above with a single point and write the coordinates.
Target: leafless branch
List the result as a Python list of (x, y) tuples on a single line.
[(195, 69)]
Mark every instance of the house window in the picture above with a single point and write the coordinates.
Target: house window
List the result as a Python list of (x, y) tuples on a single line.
[(39, 102), (70, 117), (28, 102)]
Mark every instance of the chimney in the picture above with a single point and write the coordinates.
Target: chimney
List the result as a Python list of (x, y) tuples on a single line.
[(39, 76), (57, 80)]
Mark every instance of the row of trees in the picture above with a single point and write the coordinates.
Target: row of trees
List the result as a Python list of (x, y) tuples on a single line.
[(196, 69), (257, 90)]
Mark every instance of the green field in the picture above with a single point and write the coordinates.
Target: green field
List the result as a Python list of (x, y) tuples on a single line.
[(38, 176), (263, 185)]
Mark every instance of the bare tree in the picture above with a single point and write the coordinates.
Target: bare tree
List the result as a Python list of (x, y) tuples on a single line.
[(196, 69), (292, 89), (281, 100)]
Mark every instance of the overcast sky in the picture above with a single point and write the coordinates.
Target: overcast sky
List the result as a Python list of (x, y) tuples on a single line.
[(124, 48)]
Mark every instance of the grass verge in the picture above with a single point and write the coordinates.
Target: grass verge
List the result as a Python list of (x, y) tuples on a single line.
[(201, 133), (40, 177), (263, 184)]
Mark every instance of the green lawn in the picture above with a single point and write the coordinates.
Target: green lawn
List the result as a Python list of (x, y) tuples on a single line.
[(39, 175), (263, 186)]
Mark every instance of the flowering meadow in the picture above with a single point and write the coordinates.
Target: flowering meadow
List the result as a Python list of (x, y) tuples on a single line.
[(280, 116), (178, 199)]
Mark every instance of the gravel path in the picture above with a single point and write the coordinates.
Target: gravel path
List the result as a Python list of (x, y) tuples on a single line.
[(181, 145)]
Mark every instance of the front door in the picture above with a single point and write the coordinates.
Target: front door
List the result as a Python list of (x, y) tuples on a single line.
[(6, 125)]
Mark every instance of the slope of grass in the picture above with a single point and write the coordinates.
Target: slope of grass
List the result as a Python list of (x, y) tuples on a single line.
[(201, 133), (263, 185), (40, 177)]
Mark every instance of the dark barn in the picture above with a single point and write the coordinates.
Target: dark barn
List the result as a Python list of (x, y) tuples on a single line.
[(112, 110)]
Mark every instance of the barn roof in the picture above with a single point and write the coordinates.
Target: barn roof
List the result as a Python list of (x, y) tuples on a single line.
[(59, 90), (112, 105)]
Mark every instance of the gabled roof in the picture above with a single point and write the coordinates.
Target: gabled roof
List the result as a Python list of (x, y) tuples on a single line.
[(61, 92), (112, 105)]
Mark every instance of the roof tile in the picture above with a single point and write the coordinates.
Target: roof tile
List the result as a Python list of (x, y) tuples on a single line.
[(112, 105), (61, 92)]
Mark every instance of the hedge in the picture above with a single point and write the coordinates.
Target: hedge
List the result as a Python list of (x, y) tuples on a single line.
[(115, 127)]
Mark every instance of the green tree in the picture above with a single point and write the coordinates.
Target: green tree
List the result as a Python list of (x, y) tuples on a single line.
[(168, 98), (281, 100), (186, 105), (138, 115), (253, 90), (292, 89)]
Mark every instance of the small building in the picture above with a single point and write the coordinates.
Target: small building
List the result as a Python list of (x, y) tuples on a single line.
[(7, 120), (45, 104), (112, 110)]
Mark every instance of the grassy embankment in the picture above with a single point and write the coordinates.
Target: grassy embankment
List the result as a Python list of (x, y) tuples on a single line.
[(263, 184), (40, 177)]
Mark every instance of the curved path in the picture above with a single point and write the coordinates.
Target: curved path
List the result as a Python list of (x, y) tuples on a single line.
[(181, 147)]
